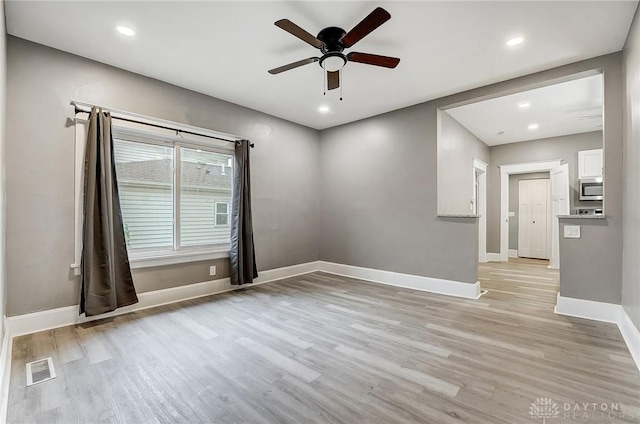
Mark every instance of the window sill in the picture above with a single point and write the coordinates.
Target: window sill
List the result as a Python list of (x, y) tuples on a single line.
[(163, 259)]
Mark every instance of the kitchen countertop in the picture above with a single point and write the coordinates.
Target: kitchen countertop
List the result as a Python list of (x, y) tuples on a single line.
[(457, 216), (582, 216)]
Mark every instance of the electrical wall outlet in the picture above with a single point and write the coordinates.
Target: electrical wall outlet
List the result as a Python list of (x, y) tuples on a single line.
[(572, 231), (212, 270)]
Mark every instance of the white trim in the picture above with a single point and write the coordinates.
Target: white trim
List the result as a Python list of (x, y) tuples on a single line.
[(171, 258), (513, 253), (409, 281), (480, 206), (5, 371), (494, 257), (286, 272), (605, 312), (631, 335), (82, 129), (505, 171), (477, 163), (68, 315), (589, 309)]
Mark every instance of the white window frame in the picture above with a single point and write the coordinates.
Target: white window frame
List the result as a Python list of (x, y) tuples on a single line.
[(150, 135), (228, 213)]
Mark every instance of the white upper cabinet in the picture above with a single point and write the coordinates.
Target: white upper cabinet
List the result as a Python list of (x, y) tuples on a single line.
[(590, 163)]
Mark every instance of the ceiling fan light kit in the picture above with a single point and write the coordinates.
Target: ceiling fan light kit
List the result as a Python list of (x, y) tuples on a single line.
[(332, 62), (332, 41)]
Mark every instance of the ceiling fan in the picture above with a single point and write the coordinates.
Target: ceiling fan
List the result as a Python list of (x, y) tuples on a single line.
[(332, 41)]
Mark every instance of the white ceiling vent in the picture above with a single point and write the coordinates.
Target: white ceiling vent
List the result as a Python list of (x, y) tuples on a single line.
[(39, 371)]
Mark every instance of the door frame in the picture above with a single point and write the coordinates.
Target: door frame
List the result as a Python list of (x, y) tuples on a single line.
[(480, 169), (505, 171)]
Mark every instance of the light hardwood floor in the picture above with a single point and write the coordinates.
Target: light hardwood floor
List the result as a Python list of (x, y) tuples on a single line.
[(319, 348)]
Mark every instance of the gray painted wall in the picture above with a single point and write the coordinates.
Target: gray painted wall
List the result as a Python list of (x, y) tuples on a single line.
[(631, 139), (514, 203), (564, 147), (378, 206), (457, 147), (39, 167), (591, 267), (3, 220), (376, 180)]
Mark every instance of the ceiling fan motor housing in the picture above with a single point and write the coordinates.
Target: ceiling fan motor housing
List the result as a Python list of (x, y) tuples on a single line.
[(331, 37)]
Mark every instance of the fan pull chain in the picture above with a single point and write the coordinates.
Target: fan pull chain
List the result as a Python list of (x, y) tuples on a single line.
[(325, 81), (340, 82)]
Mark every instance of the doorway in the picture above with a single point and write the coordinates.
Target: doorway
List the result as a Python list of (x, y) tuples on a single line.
[(479, 202)]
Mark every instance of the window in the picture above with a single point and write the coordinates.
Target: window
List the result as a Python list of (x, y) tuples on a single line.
[(175, 191), (222, 214), (173, 197)]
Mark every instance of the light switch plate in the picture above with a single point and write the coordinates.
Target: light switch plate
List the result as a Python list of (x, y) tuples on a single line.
[(212, 270), (572, 231)]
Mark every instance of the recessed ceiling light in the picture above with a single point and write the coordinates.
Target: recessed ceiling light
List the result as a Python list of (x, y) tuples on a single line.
[(515, 41), (524, 105), (323, 109), (124, 30), (533, 126)]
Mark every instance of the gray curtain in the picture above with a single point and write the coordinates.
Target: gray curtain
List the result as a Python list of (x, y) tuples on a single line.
[(106, 276), (242, 254)]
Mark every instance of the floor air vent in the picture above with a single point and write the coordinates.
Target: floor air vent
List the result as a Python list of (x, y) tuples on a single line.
[(39, 371)]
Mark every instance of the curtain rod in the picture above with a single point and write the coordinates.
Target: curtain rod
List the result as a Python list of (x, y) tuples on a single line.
[(177, 130)]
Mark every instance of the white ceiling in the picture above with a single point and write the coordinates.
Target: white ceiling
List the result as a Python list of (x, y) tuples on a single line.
[(567, 108), (224, 48)]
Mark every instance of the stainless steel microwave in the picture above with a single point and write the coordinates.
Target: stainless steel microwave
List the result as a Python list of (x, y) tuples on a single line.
[(591, 189)]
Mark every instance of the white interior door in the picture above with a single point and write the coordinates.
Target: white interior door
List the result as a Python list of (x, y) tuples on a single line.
[(559, 206), (533, 218)]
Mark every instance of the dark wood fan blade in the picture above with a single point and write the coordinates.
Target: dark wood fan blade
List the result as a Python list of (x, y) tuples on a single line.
[(293, 65), (373, 59), (333, 80), (368, 24), (296, 31)]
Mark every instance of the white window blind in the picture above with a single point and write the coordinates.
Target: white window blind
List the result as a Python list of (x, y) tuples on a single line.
[(205, 184), (145, 184), (172, 197)]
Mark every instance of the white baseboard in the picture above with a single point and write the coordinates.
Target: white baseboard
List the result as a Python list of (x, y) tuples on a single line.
[(61, 317), (589, 309), (605, 312), (513, 253), (409, 281), (494, 257), (286, 272), (5, 370), (631, 335)]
